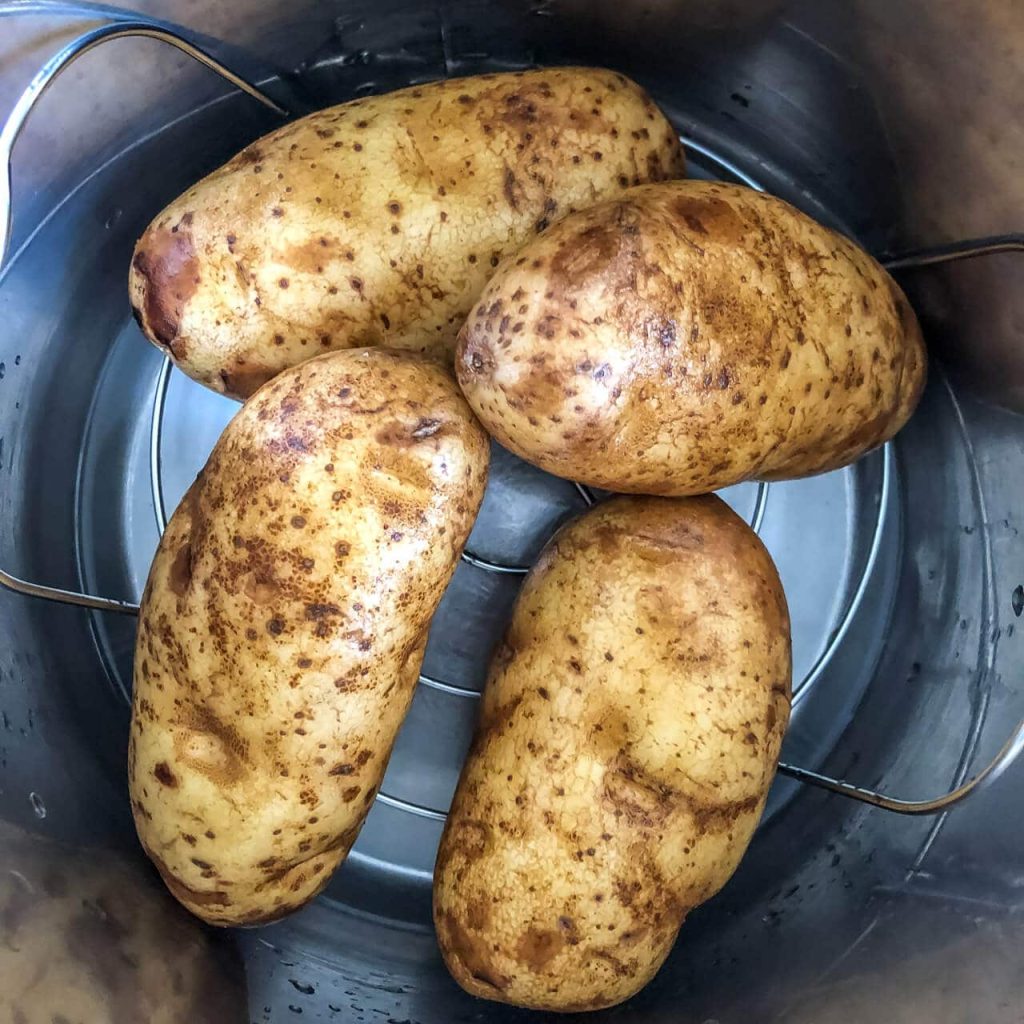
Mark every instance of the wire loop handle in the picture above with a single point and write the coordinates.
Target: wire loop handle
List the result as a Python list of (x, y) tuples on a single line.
[(120, 24), (1008, 753), (51, 70), (966, 249)]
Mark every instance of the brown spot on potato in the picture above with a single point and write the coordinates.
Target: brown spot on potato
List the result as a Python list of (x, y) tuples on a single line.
[(167, 262), (190, 897), (164, 775), (633, 793), (426, 428), (510, 186), (472, 956), (471, 838), (211, 746), (547, 327), (180, 574), (694, 223), (321, 610), (478, 915), (250, 155), (261, 588), (537, 947), (588, 257), (244, 381)]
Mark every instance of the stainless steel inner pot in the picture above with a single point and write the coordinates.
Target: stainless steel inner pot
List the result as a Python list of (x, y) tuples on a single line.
[(905, 573)]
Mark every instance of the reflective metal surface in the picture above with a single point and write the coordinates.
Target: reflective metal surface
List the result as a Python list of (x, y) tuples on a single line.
[(902, 571), (88, 937)]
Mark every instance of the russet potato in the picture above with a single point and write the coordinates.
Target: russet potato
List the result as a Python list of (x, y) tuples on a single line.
[(687, 336), (629, 731), (284, 621), (378, 222)]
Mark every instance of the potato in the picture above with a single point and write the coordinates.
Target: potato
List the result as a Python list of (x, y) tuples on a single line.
[(284, 621), (379, 221), (629, 731), (688, 336)]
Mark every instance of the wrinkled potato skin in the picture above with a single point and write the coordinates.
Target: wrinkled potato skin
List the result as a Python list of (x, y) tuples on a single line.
[(688, 336), (284, 621), (378, 222), (629, 731)]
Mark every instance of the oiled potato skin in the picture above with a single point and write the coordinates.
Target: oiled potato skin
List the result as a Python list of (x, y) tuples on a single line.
[(283, 625), (378, 222), (628, 734), (687, 336)]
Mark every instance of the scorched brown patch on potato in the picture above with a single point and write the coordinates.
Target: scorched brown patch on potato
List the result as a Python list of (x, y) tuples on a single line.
[(712, 217), (180, 575), (166, 261), (590, 254)]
